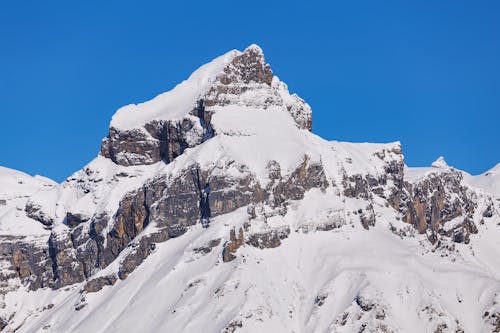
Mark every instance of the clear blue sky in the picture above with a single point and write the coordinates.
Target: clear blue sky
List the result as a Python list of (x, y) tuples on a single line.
[(426, 73)]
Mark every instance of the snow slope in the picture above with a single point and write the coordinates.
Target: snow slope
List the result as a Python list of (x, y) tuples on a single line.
[(175, 103), (15, 190), (488, 181)]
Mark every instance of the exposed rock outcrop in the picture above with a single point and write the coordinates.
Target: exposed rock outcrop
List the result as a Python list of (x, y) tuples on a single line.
[(432, 203), (35, 211), (234, 243), (98, 283), (157, 141), (268, 239), (29, 261)]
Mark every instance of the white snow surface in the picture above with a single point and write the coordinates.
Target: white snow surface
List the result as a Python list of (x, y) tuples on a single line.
[(16, 188), (488, 181)]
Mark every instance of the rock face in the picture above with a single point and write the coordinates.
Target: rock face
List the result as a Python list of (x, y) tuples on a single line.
[(430, 204), (157, 141), (27, 261), (251, 189), (76, 253), (248, 74)]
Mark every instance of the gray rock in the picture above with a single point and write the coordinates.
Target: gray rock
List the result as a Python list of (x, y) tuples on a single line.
[(98, 283), (268, 239), (364, 303), (36, 212), (439, 198), (67, 269), (208, 247), (157, 141), (74, 219)]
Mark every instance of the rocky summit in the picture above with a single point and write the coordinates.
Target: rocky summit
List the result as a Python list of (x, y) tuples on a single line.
[(214, 208)]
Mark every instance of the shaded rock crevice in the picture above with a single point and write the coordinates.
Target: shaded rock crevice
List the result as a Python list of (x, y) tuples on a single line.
[(53, 258), (159, 140)]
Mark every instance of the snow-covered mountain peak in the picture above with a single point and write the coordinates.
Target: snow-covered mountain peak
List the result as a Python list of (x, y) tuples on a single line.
[(234, 67), (160, 129), (214, 208), (254, 48), (440, 162)]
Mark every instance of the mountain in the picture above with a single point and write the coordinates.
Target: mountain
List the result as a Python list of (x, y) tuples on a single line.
[(214, 208)]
